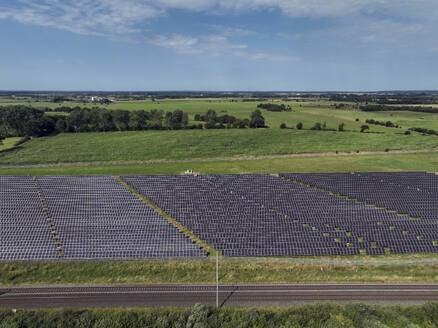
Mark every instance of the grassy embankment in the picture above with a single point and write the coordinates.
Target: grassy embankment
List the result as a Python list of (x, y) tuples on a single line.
[(383, 269)]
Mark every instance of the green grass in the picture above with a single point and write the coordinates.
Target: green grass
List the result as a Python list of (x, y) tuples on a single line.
[(354, 315), (190, 144), (132, 272), (8, 143), (371, 163), (307, 112)]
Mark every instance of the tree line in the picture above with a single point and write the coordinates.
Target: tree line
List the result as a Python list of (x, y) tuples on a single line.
[(214, 121), (275, 107), (19, 121), (385, 108), (388, 124)]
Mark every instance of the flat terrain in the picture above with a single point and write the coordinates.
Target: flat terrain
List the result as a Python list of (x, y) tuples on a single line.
[(229, 295), (105, 153), (201, 144), (413, 268), (386, 162)]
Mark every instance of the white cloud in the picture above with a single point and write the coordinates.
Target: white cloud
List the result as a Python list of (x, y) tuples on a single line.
[(231, 31), (178, 42), (216, 45), (272, 57), (127, 20), (100, 17)]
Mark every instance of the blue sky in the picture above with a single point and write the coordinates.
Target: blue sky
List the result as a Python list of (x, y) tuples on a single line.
[(338, 45)]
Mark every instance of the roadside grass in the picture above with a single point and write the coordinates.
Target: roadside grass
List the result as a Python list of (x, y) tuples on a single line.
[(352, 163), (8, 143), (201, 144), (231, 272)]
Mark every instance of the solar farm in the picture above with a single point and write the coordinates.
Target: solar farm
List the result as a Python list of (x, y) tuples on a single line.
[(97, 217)]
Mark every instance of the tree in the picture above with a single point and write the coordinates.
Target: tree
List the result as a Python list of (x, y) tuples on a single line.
[(138, 120), (299, 126), (317, 126), (364, 127), (341, 127), (105, 120), (121, 119), (61, 125), (40, 127), (210, 116), (257, 120)]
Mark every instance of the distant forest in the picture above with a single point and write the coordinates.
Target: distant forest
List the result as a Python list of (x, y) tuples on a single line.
[(382, 108)]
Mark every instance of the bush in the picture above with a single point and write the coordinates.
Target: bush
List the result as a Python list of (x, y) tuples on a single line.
[(407, 132), (283, 126), (257, 120), (299, 126), (317, 126), (341, 127), (364, 127)]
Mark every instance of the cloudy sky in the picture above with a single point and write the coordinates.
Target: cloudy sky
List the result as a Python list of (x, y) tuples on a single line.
[(218, 44)]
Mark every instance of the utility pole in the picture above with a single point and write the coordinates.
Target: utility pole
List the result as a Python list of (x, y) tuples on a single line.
[(217, 280)]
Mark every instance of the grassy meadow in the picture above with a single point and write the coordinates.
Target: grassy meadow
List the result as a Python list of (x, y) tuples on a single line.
[(231, 272), (219, 145), (202, 144), (8, 143), (352, 163), (307, 112)]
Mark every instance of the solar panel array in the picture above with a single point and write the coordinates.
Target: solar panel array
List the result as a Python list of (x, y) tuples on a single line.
[(83, 218), (414, 194), (95, 217), (264, 215), (24, 231)]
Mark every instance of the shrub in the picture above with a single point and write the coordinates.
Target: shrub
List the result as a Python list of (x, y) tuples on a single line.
[(407, 132), (317, 126), (299, 126), (341, 127), (364, 127), (283, 126)]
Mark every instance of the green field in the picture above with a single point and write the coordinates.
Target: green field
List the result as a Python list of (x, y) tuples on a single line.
[(202, 144), (8, 143), (224, 144), (308, 112), (372, 163)]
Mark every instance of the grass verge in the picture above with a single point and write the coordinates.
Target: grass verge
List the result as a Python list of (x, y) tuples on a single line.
[(192, 272)]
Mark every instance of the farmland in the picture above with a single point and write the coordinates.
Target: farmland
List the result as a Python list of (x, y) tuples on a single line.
[(194, 144)]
